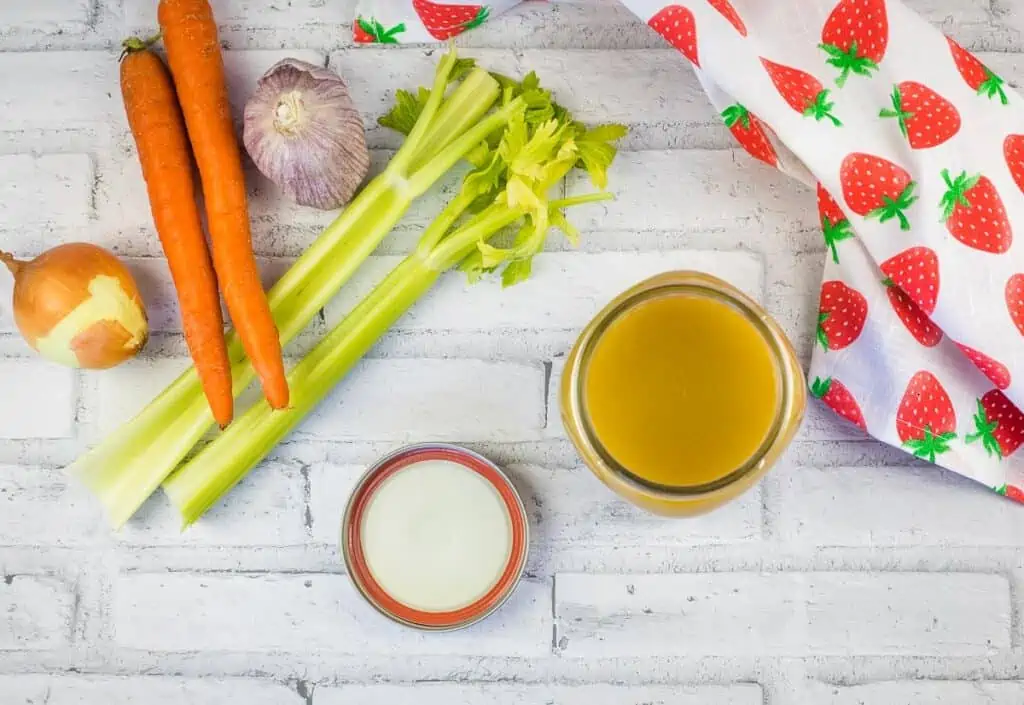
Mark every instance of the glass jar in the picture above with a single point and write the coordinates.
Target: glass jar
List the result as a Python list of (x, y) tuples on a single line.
[(696, 499)]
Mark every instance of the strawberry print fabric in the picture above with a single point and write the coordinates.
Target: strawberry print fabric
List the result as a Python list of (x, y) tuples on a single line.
[(914, 150)]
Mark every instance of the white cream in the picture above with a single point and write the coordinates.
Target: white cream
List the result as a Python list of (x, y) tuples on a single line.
[(436, 536)]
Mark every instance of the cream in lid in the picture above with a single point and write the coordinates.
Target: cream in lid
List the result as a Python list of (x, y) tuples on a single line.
[(436, 536)]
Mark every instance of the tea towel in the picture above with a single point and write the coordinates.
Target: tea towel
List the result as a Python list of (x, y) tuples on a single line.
[(915, 150)]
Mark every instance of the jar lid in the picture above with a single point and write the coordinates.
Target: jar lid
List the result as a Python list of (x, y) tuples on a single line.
[(427, 523)]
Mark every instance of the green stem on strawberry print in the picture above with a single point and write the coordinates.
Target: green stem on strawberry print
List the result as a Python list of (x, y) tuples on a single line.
[(1011, 492), (926, 419), (821, 334), (801, 91), (984, 431), (821, 109), (855, 37), (370, 31), (897, 111), (956, 192), (834, 233), (894, 207), (931, 445), (999, 425), (978, 76), (835, 226), (848, 62), (736, 115), (974, 213), (444, 21), (992, 86)]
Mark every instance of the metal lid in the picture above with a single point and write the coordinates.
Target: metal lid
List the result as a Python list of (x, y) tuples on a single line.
[(355, 560)]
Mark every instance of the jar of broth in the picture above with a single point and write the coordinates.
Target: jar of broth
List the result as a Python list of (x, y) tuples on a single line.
[(682, 393)]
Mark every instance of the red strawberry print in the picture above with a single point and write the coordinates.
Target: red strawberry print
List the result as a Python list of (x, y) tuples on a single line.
[(727, 11), (676, 24), (974, 213), (802, 91), (835, 226), (837, 397), (916, 272), (855, 37), (915, 320), (976, 74), (1013, 150), (749, 132), (1011, 492), (997, 373), (1015, 300), (876, 188), (926, 118), (925, 420), (999, 425), (842, 312), (369, 31), (446, 21)]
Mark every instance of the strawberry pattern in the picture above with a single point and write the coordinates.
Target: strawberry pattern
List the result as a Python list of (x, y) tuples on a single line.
[(915, 151)]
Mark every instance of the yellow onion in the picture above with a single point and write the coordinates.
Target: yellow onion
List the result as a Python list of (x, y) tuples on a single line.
[(78, 305)]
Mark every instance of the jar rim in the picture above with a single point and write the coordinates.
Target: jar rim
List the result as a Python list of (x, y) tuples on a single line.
[(706, 286)]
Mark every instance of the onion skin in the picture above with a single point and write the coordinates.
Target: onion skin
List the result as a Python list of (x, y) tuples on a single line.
[(303, 132), (78, 305)]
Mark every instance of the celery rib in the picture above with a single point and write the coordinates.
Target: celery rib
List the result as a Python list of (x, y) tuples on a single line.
[(129, 466)]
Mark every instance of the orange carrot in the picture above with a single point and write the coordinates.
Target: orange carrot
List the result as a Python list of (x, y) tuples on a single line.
[(156, 122), (193, 53)]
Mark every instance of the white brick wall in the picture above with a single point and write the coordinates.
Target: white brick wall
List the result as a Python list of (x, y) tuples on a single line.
[(821, 614), (306, 614), (36, 612), (53, 189), (440, 694), (846, 578), (76, 690)]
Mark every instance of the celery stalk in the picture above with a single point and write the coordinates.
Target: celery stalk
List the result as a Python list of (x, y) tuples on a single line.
[(198, 484), (530, 160), (129, 466)]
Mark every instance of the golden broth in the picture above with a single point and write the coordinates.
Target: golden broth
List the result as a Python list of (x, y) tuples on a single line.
[(681, 389)]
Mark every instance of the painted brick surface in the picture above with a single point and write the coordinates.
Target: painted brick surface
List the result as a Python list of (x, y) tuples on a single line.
[(565, 291), (398, 400), (908, 506), (919, 693), (59, 89), (53, 189), (77, 690), (27, 379), (48, 15), (36, 612), (784, 614), (719, 180), (570, 508), (440, 694), (305, 614), (266, 509), (40, 506)]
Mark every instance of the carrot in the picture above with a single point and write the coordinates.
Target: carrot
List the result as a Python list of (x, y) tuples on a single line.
[(156, 123), (193, 53)]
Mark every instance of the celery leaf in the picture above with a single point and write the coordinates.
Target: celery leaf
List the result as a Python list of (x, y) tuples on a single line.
[(597, 152)]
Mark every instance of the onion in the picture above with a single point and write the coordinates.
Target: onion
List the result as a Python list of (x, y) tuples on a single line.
[(78, 305), (304, 134)]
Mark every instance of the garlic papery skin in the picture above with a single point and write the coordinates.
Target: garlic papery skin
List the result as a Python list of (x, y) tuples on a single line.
[(304, 133)]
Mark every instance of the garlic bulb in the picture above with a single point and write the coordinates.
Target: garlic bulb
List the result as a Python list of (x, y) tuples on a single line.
[(304, 134)]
